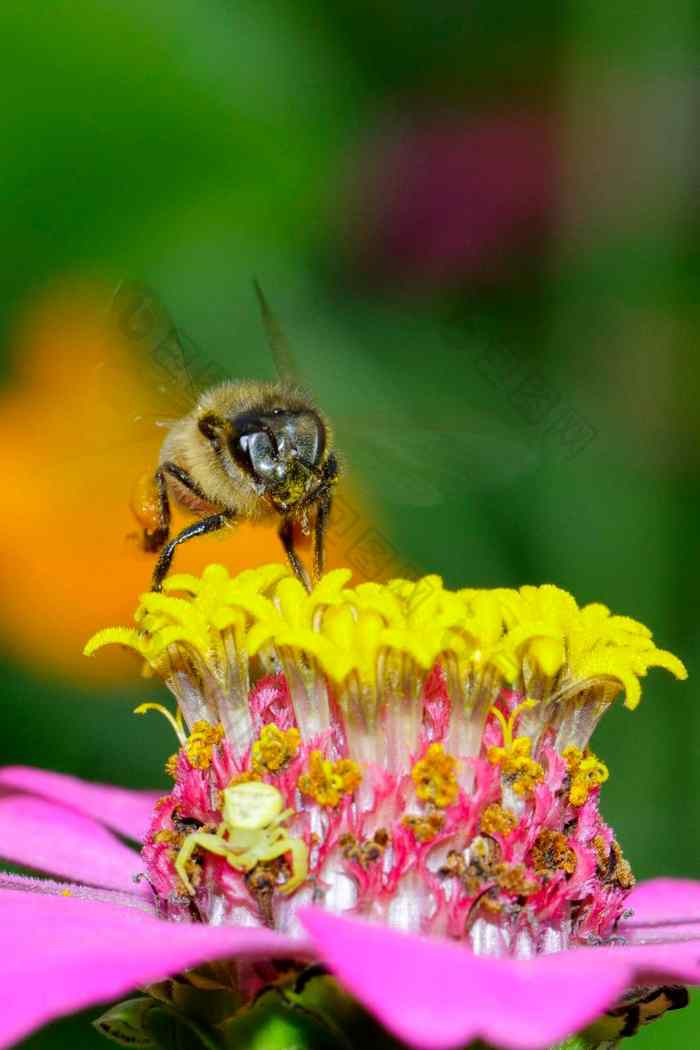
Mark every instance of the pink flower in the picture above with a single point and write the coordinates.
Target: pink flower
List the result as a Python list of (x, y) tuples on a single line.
[(451, 870), (453, 197)]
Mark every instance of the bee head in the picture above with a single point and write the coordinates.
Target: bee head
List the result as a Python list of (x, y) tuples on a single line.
[(280, 449)]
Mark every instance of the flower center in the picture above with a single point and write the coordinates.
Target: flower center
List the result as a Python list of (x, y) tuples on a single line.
[(400, 751)]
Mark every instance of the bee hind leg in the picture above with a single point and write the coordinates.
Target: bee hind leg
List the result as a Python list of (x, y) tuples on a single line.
[(199, 528), (156, 538)]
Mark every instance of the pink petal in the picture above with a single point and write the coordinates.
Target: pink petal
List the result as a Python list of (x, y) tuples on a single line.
[(663, 909), (436, 995), (58, 954), (128, 812), (48, 887), (52, 838)]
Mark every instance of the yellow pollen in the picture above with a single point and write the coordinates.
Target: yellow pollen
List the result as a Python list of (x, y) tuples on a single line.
[(274, 747), (551, 852), (364, 852), (612, 866), (435, 778), (166, 836), (243, 778), (512, 878), (171, 766), (327, 781), (586, 771), (425, 827), (495, 820), (201, 742)]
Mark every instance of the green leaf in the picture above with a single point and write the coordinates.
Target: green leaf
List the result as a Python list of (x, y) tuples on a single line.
[(579, 1042), (320, 995), (125, 1023), (148, 1023), (273, 1023)]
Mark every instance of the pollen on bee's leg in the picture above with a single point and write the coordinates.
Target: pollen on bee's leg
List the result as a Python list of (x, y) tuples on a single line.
[(147, 506)]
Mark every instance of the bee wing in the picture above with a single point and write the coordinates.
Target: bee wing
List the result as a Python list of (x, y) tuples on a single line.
[(277, 340), (423, 464), (175, 370), (145, 375)]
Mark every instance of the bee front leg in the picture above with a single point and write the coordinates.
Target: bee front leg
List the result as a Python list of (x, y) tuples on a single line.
[(286, 535), (199, 528), (321, 524), (324, 496)]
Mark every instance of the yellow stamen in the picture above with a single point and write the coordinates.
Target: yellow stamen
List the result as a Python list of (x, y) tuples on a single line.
[(514, 755), (176, 722), (508, 726)]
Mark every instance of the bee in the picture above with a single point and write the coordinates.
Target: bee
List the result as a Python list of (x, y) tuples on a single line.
[(265, 452), (247, 450)]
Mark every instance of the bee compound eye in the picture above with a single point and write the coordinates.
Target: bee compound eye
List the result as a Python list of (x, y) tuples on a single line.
[(255, 453)]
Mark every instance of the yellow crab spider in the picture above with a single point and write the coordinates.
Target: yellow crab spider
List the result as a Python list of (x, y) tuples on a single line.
[(250, 832)]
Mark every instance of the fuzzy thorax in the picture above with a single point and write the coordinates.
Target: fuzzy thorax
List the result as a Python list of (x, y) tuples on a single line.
[(429, 749)]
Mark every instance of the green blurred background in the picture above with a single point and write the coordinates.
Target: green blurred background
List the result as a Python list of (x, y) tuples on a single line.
[(471, 217)]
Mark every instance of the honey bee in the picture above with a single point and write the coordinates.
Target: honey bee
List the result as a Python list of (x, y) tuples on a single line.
[(265, 452), (247, 450)]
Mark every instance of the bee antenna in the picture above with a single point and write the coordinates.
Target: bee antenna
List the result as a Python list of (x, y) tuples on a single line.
[(276, 339)]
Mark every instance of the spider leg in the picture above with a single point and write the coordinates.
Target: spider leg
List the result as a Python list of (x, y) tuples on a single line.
[(198, 840), (300, 859)]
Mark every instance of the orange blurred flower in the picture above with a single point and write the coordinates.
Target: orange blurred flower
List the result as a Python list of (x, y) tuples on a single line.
[(70, 454)]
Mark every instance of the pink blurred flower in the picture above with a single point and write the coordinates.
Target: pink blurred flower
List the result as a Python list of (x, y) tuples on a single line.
[(453, 198)]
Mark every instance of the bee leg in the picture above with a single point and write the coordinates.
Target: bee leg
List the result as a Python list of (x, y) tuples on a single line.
[(286, 535), (323, 496), (321, 524), (199, 528), (154, 539), (184, 478)]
